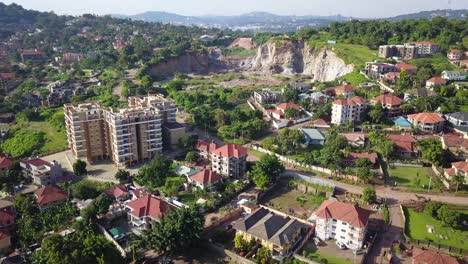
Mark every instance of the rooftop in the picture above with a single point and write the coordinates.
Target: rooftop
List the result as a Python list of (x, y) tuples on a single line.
[(437, 80), (372, 157), (313, 133), (430, 257), (206, 177), (426, 118), (231, 150), (50, 194), (149, 206), (462, 116), (117, 191), (388, 99)]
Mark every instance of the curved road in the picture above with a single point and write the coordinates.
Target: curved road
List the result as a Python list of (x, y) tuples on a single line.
[(387, 192)]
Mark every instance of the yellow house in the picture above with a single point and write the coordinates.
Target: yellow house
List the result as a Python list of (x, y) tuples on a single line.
[(282, 234)]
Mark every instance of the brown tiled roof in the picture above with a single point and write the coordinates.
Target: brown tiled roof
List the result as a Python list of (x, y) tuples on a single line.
[(461, 165), (285, 106), (455, 140), (117, 191), (388, 99), (320, 122), (437, 80), (349, 213), (427, 118), (421, 256), (5, 161), (150, 206), (353, 101), (354, 136), (231, 150), (206, 177), (49, 194), (202, 145), (344, 88), (372, 157), (403, 142), (405, 66)]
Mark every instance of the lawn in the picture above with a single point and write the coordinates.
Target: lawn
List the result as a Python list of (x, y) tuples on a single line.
[(315, 255), (55, 140), (438, 61), (355, 78), (187, 198), (357, 55), (256, 153), (416, 228), (409, 177)]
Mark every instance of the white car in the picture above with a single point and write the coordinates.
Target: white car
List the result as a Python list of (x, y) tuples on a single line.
[(317, 241), (341, 245)]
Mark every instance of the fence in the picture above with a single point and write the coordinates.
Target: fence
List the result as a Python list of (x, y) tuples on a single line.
[(111, 239), (408, 165), (292, 162)]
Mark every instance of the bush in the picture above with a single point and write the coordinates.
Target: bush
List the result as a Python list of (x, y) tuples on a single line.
[(24, 143)]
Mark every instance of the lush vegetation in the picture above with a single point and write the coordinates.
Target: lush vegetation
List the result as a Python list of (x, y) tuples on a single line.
[(266, 171)]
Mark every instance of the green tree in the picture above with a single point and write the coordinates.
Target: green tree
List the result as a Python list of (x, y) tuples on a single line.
[(289, 140), (268, 143), (240, 243), (291, 113), (263, 256), (154, 174), (381, 144), (458, 179), (102, 203), (123, 176), (377, 114), (79, 168), (191, 157), (177, 232), (146, 82), (432, 151), (369, 195), (448, 217), (266, 171)]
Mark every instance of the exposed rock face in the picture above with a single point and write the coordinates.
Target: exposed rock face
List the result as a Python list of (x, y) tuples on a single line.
[(288, 57), (245, 43)]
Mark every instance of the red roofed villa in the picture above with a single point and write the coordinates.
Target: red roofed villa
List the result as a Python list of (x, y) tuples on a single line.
[(405, 145), (50, 196), (435, 81), (119, 192), (344, 222), (147, 209), (460, 167), (345, 90), (205, 178), (281, 109), (5, 162), (428, 122), (205, 148), (390, 102), (421, 256), (407, 67)]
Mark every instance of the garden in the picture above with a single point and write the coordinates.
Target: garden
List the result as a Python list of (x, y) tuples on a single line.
[(415, 179)]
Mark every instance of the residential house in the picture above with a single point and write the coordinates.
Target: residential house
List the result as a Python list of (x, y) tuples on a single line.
[(147, 209), (50, 196), (435, 81), (320, 123), (318, 98), (427, 122), (32, 55), (460, 167), (5, 162), (372, 157), (456, 143), (229, 160), (402, 123), (7, 82), (418, 92), (410, 69), (455, 55), (391, 77), (281, 109), (453, 75), (268, 97), (205, 179), (7, 218), (424, 256), (313, 136), (205, 148), (5, 241), (119, 192), (281, 234), (347, 223), (344, 110), (42, 172), (356, 139), (459, 120), (390, 102), (405, 146), (346, 90), (375, 70)]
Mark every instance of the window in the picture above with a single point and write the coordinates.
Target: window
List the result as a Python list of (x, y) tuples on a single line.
[(342, 237), (342, 230)]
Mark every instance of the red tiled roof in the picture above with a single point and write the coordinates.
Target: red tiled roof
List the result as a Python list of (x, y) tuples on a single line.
[(354, 136), (437, 80), (32, 52), (405, 66), (344, 88), (231, 150), (455, 51), (345, 212), (421, 256), (388, 99), (320, 122), (5, 161), (403, 142), (7, 75), (455, 140), (366, 155), (202, 145), (150, 206), (426, 118), (4, 234), (49, 194), (450, 171), (206, 177), (7, 217), (461, 165), (392, 75), (403, 138), (353, 101), (37, 162), (117, 191), (285, 106)]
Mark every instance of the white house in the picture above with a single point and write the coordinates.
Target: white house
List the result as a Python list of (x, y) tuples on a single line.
[(453, 75), (344, 222), (43, 172), (460, 167)]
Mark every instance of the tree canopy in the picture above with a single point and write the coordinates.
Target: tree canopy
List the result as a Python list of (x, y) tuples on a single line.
[(266, 171)]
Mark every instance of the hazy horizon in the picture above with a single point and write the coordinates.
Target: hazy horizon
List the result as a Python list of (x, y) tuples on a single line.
[(357, 8)]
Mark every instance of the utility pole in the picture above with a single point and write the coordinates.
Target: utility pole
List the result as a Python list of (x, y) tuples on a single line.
[(430, 181)]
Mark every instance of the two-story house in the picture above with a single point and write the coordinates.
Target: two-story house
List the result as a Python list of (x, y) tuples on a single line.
[(50, 196), (229, 160), (427, 122), (42, 172), (147, 209)]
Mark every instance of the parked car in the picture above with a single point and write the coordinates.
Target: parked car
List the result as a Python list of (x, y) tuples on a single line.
[(317, 241), (341, 245)]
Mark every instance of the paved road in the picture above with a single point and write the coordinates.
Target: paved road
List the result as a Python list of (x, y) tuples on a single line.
[(400, 196)]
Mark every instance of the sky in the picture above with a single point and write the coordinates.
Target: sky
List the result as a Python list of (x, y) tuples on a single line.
[(354, 8)]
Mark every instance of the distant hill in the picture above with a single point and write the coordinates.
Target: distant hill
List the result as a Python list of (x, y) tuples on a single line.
[(264, 21), (449, 14)]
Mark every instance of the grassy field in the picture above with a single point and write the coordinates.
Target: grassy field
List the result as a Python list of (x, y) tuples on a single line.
[(355, 78), (416, 226), (55, 140), (413, 178), (312, 253), (255, 153), (240, 52), (438, 61), (357, 55)]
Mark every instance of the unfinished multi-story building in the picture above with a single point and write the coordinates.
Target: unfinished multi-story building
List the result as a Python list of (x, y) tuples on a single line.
[(126, 136)]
